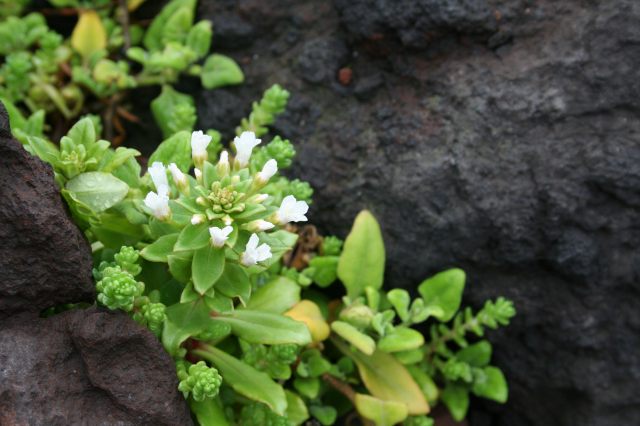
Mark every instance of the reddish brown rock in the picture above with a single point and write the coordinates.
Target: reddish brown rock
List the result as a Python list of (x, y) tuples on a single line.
[(92, 367), (44, 258)]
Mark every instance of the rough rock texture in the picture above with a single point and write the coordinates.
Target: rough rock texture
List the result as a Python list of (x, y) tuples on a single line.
[(34, 230), (499, 136), (81, 367), (86, 367)]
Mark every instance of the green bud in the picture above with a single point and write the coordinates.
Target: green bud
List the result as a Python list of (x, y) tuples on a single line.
[(118, 289), (200, 381), (127, 258), (357, 314), (152, 315), (331, 246)]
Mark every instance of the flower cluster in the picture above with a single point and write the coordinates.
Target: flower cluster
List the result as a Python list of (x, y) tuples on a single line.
[(226, 198)]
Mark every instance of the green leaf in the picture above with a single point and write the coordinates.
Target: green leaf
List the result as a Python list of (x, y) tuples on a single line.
[(354, 336), (296, 409), (476, 355), (382, 413), (401, 339), (234, 282), (44, 150), (307, 387), (209, 412), (97, 190), (176, 149), (325, 414), (325, 269), (400, 300), (246, 380), (153, 39), (159, 249), (83, 132), (443, 292), (220, 70), (362, 260), (184, 320), (267, 328), (199, 38), (207, 266), (456, 398), (180, 266), (277, 296), (387, 379), (193, 237), (491, 384), (427, 385), (174, 112), (120, 156)]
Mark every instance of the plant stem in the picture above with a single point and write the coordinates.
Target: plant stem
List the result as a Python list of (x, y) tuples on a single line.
[(340, 386), (444, 338)]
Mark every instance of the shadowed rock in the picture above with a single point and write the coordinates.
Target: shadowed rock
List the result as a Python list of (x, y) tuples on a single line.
[(44, 258), (90, 367)]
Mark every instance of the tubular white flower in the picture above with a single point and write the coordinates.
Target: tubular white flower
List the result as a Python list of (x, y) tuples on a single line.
[(254, 253), (258, 225), (199, 143), (178, 177), (158, 175), (244, 145), (268, 170), (158, 204), (219, 236), (292, 211), (197, 219), (223, 164)]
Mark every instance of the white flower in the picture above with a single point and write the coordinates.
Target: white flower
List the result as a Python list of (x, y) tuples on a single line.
[(197, 219), (270, 168), (178, 177), (223, 164), (159, 177), (159, 205), (244, 145), (258, 225), (292, 211), (254, 253), (219, 236), (199, 143)]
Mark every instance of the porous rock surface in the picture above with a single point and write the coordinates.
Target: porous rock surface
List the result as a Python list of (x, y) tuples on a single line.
[(89, 366), (499, 136), (34, 233)]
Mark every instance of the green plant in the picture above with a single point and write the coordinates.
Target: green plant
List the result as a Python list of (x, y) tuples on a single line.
[(205, 255), (44, 74)]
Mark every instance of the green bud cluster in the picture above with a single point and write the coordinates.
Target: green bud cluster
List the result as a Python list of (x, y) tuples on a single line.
[(257, 414), (198, 380), (118, 289), (331, 246), (274, 360), (279, 149), (225, 199), (152, 315), (264, 112), (127, 258)]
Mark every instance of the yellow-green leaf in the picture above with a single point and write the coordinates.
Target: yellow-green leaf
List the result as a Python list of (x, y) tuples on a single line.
[(362, 261), (309, 313), (381, 413), (89, 35), (387, 379)]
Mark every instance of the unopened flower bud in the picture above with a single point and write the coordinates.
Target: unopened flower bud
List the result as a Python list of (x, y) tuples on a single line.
[(179, 178), (223, 164), (270, 168), (199, 143), (258, 226), (197, 219)]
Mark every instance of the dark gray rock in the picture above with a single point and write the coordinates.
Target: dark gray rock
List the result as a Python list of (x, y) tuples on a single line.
[(515, 156), (89, 367), (321, 58), (415, 23), (35, 229)]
